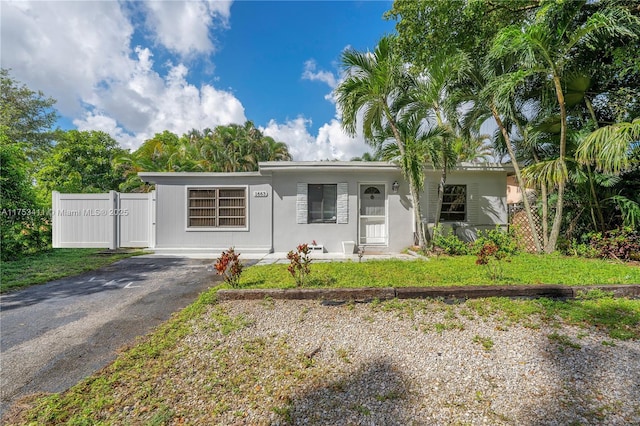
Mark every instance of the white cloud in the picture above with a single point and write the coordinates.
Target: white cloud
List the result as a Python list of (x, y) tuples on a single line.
[(80, 54), (345, 147), (65, 48), (146, 103), (311, 74), (184, 26), (331, 143)]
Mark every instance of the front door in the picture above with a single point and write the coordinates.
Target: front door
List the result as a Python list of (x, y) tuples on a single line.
[(373, 214)]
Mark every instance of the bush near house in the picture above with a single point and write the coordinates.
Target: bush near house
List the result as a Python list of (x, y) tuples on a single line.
[(506, 242), (619, 244)]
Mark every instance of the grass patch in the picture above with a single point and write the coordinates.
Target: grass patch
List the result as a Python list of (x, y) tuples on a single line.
[(54, 264), (619, 317), (524, 269), (131, 376), (563, 341), (486, 342)]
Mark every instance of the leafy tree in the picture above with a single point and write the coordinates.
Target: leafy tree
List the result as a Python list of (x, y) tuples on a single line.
[(26, 120), (79, 162), (428, 29), (231, 148), (555, 72), (26, 117), (544, 48), (24, 227)]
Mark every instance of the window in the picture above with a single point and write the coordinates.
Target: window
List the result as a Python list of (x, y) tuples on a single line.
[(217, 207), (322, 206), (454, 203)]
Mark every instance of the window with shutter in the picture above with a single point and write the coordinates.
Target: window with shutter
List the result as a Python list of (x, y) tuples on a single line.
[(213, 207), (322, 203)]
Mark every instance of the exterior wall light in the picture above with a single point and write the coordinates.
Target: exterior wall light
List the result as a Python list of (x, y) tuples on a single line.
[(395, 186)]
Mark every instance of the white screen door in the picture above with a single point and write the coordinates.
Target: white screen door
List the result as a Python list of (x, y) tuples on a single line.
[(373, 218)]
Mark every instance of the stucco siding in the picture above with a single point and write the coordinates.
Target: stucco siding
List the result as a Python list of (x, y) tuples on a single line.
[(486, 201), (288, 233), (172, 231)]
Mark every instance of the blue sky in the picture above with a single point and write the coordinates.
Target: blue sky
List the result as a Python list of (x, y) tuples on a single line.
[(137, 68)]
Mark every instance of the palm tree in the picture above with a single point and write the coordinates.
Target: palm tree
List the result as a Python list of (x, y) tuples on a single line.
[(372, 93), (430, 102), (423, 145), (544, 48), (491, 97)]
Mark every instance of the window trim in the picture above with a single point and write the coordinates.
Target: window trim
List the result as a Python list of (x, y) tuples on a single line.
[(466, 204), (188, 228), (323, 221)]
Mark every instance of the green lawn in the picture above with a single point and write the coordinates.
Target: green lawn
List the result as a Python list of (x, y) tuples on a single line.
[(57, 263), (448, 271)]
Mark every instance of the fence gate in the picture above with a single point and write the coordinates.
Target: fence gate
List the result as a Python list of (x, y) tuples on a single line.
[(108, 220)]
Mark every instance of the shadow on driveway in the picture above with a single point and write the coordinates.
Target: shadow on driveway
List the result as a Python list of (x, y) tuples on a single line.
[(130, 271)]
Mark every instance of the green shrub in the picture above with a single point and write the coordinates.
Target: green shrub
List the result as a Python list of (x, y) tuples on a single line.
[(22, 236), (621, 244), (450, 243), (507, 242)]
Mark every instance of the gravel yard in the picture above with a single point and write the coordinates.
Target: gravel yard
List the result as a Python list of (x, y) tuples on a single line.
[(272, 362), (414, 363)]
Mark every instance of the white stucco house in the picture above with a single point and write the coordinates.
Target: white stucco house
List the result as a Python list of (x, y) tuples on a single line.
[(339, 205)]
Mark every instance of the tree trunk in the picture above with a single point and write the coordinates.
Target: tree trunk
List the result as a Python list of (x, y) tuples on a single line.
[(441, 184), (424, 238), (557, 220), (443, 173), (516, 167), (545, 215), (590, 172), (413, 189)]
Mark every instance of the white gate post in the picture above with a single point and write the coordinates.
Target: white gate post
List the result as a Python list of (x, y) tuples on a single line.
[(152, 219), (115, 231), (55, 224)]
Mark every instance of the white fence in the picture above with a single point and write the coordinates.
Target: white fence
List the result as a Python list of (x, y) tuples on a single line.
[(110, 220)]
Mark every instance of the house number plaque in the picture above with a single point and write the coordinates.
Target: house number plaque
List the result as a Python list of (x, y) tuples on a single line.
[(260, 194)]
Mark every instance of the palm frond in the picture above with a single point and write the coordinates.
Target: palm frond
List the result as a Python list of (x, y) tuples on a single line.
[(629, 209), (610, 148), (548, 173)]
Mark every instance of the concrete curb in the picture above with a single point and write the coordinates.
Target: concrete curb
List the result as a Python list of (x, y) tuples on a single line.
[(469, 292)]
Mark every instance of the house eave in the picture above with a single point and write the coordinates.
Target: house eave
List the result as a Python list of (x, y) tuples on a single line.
[(281, 166), (487, 167)]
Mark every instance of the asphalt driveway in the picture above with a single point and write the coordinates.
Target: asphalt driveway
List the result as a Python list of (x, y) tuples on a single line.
[(54, 335)]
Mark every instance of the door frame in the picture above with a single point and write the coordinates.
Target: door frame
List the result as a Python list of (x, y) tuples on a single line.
[(386, 213)]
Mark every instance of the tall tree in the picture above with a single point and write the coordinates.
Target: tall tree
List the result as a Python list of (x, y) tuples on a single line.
[(26, 117), (430, 104), (372, 93), (80, 161), (545, 47), (428, 29)]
